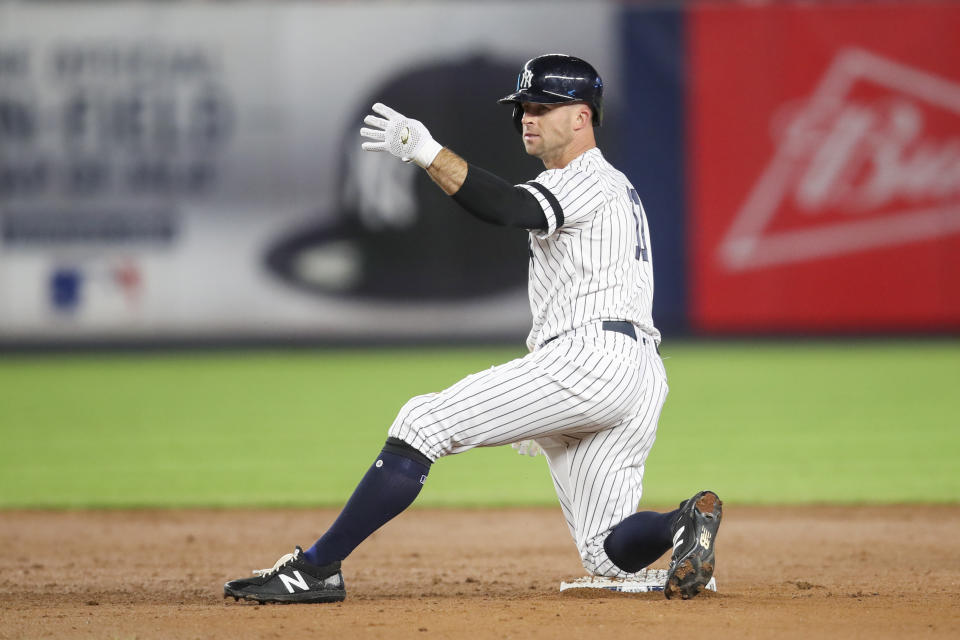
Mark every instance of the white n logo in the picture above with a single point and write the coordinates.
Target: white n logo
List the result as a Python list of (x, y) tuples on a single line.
[(289, 582)]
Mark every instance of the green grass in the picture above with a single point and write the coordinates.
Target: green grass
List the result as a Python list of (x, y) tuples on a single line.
[(758, 422), (864, 422)]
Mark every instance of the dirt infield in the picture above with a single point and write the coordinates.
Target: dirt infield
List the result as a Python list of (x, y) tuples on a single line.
[(877, 572)]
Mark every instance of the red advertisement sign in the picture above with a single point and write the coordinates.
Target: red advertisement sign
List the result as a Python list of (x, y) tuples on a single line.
[(825, 168)]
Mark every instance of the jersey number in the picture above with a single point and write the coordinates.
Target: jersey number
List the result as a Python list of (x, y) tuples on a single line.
[(641, 237)]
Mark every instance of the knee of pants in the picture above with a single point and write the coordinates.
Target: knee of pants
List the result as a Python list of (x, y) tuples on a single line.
[(408, 427), (595, 560)]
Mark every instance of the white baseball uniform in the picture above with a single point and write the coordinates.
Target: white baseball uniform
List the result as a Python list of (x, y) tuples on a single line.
[(590, 397)]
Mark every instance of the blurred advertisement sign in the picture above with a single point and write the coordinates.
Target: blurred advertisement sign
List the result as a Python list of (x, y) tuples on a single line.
[(838, 208), (103, 137), (871, 160), (193, 170)]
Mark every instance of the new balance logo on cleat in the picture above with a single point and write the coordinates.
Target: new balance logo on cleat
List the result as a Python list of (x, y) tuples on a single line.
[(692, 564), (291, 580), (290, 583), (705, 539)]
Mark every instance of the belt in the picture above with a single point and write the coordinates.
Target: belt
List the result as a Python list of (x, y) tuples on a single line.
[(620, 326)]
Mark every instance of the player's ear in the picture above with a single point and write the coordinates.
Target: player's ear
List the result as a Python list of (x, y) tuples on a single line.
[(584, 117)]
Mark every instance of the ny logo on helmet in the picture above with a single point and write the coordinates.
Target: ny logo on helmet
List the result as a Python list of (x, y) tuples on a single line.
[(525, 80)]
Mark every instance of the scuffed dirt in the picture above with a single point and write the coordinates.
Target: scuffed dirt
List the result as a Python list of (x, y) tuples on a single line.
[(802, 572)]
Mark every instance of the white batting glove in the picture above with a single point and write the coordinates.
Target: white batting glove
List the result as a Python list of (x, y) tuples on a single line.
[(407, 139)]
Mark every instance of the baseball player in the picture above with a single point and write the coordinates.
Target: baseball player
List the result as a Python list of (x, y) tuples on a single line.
[(590, 390)]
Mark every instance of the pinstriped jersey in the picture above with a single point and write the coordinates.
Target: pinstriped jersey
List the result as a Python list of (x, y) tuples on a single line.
[(592, 262)]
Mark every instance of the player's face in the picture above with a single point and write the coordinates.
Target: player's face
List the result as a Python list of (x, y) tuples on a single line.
[(547, 129)]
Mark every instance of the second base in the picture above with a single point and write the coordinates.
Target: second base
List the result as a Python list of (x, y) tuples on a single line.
[(639, 582)]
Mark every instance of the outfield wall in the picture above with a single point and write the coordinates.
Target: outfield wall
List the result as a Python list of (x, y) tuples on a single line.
[(192, 171)]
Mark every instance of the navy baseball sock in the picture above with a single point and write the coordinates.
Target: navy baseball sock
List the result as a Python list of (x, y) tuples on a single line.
[(640, 539), (389, 486)]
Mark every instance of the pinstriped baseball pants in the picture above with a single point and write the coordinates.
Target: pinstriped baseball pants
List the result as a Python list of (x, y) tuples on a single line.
[(591, 399)]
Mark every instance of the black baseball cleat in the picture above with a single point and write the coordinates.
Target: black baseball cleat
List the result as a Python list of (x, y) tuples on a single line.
[(291, 580), (694, 535)]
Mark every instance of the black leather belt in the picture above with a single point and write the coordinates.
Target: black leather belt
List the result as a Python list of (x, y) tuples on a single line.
[(620, 326)]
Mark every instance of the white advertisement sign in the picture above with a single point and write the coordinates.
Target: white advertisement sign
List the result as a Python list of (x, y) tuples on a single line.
[(193, 171)]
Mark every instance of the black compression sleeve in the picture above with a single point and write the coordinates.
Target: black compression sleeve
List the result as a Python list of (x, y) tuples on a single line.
[(398, 447), (496, 201)]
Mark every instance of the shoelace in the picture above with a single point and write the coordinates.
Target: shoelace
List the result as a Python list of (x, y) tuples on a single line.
[(284, 559)]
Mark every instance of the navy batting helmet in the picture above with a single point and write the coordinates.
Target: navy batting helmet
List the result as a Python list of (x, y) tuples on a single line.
[(556, 78)]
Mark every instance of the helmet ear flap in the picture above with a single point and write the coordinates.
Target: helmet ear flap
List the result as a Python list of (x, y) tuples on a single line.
[(597, 107), (517, 117)]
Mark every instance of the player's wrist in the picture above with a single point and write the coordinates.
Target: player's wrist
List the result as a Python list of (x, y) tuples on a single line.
[(427, 153)]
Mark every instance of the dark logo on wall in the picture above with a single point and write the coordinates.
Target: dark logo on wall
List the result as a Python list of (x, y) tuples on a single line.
[(396, 235)]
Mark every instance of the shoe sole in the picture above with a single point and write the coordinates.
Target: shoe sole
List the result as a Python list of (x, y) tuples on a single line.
[(693, 571), (293, 598)]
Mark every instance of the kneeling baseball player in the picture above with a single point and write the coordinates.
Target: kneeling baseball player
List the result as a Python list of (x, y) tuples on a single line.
[(590, 390)]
